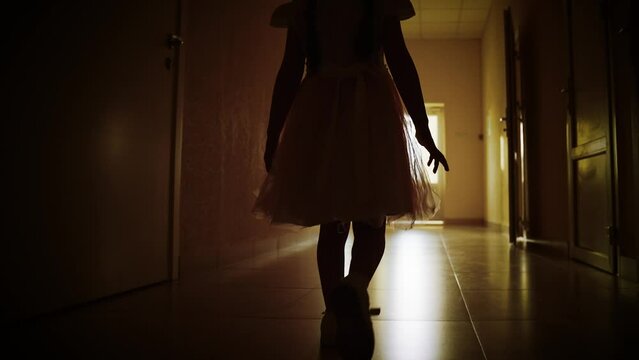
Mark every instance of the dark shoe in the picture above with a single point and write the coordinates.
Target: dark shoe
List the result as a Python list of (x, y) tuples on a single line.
[(355, 337), (328, 330)]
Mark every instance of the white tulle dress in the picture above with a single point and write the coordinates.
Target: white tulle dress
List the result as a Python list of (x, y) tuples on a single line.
[(345, 153)]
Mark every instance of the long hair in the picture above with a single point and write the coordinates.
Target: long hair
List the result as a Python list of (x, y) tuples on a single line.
[(365, 41)]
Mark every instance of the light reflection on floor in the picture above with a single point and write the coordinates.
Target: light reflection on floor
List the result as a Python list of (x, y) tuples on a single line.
[(444, 293)]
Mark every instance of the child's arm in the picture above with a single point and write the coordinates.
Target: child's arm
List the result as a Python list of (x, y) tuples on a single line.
[(286, 86), (402, 67)]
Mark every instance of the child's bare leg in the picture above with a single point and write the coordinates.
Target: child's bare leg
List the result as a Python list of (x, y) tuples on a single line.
[(368, 249), (330, 255)]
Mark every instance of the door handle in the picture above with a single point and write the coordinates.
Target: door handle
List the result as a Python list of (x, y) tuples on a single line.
[(174, 41), (504, 120)]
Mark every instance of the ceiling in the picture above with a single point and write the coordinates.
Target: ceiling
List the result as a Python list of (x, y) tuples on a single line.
[(447, 19)]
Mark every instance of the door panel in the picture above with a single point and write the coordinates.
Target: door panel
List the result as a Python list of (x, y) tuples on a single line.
[(593, 113), (591, 202), (589, 136), (93, 102)]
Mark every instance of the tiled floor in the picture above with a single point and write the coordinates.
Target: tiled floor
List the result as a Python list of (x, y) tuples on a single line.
[(454, 293)]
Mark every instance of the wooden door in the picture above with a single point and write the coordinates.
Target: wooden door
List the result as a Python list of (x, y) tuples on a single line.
[(590, 140), (92, 103), (516, 134)]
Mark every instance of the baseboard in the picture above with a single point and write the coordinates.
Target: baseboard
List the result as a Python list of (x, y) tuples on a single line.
[(465, 222), (628, 269), (496, 226)]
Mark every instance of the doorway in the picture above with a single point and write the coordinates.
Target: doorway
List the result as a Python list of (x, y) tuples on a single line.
[(437, 125)]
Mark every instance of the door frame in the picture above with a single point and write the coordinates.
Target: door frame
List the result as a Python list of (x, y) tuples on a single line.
[(178, 134), (634, 35), (635, 142)]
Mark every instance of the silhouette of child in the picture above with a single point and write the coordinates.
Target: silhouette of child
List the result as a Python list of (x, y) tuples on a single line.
[(345, 153)]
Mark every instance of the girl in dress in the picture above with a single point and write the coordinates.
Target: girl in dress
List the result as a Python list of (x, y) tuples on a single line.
[(338, 149)]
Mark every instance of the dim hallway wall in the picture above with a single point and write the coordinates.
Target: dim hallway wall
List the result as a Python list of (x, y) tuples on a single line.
[(232, 57), (543, 52), (450, 73)]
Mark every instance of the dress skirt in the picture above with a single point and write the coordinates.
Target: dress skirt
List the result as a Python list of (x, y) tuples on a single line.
[(346, 154)]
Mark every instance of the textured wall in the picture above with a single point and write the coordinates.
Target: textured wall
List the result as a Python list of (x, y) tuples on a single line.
[(232, 57), (450, 73)]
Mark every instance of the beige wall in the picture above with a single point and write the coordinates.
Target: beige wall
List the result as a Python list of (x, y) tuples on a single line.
[(450, 73), (232, 57)]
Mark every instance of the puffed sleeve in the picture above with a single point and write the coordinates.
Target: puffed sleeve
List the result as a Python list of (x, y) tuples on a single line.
[(281, 17), (401, 9)]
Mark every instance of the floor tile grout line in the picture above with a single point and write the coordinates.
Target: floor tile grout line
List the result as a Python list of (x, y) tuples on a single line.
[(312, 318), (470, 317)]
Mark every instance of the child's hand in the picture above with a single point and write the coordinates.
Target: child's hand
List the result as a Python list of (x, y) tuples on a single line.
[(426, 140), (437, 157)]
